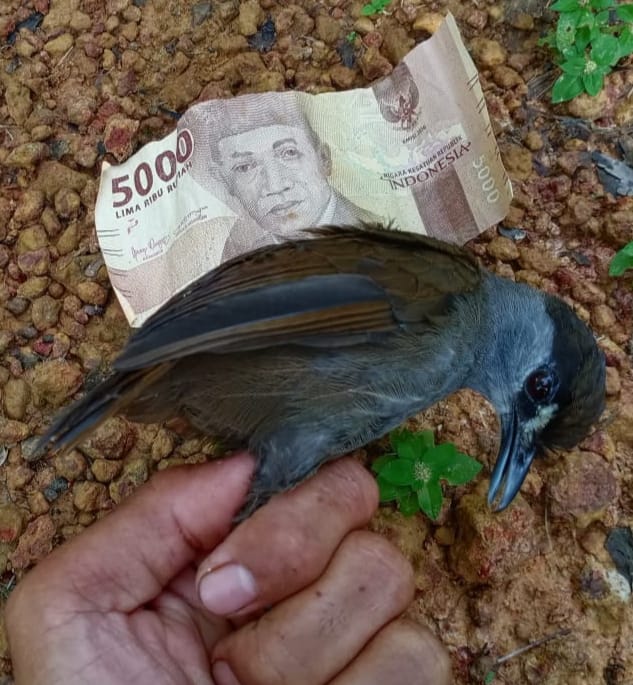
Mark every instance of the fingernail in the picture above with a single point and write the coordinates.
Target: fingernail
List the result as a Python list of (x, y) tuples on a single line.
[(227, 589), (223, 675)]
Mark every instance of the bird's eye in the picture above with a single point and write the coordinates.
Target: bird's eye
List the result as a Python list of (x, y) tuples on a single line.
[(540, 385)]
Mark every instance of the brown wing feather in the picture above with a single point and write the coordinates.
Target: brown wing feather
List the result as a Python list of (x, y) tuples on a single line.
[(340, 283)]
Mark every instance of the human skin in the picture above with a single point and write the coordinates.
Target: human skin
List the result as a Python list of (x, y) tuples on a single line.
[(128, 599), (278, 175)]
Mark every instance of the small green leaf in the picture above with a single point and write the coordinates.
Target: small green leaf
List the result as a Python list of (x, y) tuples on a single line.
[(387, 491), (583, 38), (622, 261), (489, 678), (566, 31), (574, 65), (399, 437), (585, 19), (408, 504), (398, 472), (601, 4), (593, 81), (439, 458), (565, 5), (462, 469), (567, 87), (624, 12), (625, 42), (430, 499), (378, 464), (605, 50)]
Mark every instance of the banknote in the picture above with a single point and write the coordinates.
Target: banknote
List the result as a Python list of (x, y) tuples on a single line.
[(415, 150)]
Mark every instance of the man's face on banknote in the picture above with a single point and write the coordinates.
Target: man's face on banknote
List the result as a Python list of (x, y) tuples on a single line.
[(278, 175)]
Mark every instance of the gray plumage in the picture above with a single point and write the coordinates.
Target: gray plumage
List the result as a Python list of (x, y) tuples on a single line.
[(306, 350)]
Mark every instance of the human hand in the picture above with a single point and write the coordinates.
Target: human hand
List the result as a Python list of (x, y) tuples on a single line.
[(128, 600)]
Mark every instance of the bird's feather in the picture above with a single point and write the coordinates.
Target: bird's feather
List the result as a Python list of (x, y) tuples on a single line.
[(339, 288)]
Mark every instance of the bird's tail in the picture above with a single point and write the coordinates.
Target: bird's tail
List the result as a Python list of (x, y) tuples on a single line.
[(107, 399)]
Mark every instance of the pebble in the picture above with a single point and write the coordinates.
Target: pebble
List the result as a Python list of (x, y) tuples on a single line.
[(70, 465), (487, 53), (69, 239), (489, 547), (67, 203), (503, 249), (92, 293), (429, 22), (27, 449), (11, 522), (250, 17), (59, 46), (54, 381), (120, 131), (517, 160), (33, 287), (27, 155), (581, 483), (328, 29), (45, 312), (35, 262), (613, 382), (38, 504), (163, 445), (35, 543), (50, 221), (18, 305), (135, 472), (55, 488), (89, 496), (15, 398), (536, 260), (31, 239), (603, 317), (374, 65), (105, 470), (112, 440), (30, 206), (16, 476), (12, 431), (396, 44)]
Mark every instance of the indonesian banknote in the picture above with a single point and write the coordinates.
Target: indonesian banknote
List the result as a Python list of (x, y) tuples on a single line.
[(415, 149)]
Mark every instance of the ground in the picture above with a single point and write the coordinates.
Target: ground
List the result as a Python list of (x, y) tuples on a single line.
[(85, 80)]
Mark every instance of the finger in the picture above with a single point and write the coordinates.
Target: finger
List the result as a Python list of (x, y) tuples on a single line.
[(287, 543), (402, 652), (127, 558), (310, 637)]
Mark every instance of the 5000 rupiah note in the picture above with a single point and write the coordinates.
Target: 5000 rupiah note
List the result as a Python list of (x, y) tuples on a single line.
[(417, 149)]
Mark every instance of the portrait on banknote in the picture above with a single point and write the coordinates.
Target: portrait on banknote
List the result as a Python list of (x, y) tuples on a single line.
[(273, 164)]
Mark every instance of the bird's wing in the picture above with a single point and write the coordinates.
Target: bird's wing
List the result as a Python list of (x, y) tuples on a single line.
[(344, 285)]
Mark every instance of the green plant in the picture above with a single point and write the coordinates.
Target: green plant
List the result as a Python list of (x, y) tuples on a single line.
[(351, 36), (622, 261), (591, 36), (411, 474), (373, 7)]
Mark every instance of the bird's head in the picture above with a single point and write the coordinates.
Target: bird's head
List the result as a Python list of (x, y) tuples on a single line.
[(545, 376)]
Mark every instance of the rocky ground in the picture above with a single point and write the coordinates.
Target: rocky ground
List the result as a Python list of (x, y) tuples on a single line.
[(84, 80)]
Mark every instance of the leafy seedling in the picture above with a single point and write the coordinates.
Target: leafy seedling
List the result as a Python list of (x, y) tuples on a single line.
[(374, 7), (411, 474), (590, 38), (622, 261), (351, 36)]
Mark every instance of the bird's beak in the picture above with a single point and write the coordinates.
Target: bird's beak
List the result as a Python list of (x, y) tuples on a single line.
[(515, 456)]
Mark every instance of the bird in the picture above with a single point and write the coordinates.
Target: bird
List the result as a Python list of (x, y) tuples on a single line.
[(303, 351)]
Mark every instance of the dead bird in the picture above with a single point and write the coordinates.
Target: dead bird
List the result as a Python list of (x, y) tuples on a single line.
[(306, 350)]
